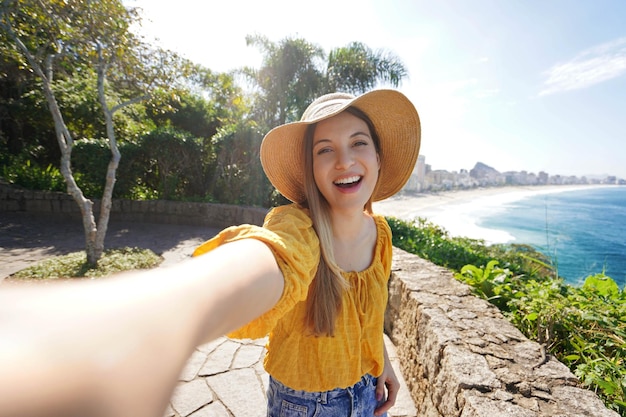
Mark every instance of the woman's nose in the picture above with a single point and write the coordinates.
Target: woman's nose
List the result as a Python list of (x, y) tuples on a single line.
[(345, 159)]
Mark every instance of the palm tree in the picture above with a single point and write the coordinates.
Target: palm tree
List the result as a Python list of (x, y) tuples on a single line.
[(290, 77), (356, 69), (295, 72)]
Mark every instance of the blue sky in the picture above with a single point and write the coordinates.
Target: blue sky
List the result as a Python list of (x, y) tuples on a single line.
[(518, 85)]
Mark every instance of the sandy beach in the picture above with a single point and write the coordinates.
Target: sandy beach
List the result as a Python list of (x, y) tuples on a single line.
[(459, 211)]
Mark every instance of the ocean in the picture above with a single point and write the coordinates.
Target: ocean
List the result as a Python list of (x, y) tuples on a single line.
[(583, 230)]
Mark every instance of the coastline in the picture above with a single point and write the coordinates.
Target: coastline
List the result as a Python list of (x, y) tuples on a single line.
[(460, 211)]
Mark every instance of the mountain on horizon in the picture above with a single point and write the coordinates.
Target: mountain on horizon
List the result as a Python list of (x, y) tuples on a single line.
[(482, 170)]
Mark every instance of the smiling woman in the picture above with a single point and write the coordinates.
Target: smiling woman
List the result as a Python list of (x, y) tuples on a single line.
[(333, 251)]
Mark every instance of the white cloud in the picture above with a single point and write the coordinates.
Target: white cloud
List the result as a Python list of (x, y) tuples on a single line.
[(590, 67)]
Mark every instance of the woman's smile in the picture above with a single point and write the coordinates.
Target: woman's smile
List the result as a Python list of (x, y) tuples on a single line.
[(348, 182)]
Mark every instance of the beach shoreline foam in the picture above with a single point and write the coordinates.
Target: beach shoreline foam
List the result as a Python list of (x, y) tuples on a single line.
[(460, 212)]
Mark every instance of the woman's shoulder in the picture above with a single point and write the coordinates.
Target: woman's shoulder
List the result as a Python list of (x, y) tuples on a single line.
[(289, 212), (381, 225), (291, 222)]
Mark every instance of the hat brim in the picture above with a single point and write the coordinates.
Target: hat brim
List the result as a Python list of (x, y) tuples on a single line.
[(396, 122)]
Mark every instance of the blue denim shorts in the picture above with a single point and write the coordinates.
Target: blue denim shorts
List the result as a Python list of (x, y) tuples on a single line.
[(358, 400)]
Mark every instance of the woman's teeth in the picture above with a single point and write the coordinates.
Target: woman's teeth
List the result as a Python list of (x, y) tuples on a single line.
[(348, 181)]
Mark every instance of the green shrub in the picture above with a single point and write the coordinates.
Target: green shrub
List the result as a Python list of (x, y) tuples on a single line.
[(172, 163), (25, 173), (90, 160), (432, 242)]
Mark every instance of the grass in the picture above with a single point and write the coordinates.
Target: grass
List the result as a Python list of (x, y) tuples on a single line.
[(74, 265)]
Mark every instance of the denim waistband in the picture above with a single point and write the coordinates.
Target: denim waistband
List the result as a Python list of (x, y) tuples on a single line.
[(324, 396)]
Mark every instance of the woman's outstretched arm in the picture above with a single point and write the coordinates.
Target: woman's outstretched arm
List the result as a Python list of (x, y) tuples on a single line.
[(116, 346)]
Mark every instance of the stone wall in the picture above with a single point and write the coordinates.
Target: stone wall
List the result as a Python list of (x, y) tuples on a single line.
[(152, 211), (459, 355)]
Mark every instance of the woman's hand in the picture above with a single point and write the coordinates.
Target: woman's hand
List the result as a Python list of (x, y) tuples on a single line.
[(389, 380)]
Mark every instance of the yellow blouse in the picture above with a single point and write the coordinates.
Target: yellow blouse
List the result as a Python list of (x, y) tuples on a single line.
[(294, 357)]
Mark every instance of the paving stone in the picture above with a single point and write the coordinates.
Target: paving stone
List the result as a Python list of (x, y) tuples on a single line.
[(220, 359), (404, 406), (247, 356), (259, 342), (193, 366), (215, 409), (191, 396), (263, 376), (241, 392)]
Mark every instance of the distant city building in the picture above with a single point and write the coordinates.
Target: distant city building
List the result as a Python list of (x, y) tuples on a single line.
[(420, 169), (416, 181), (424, 178)]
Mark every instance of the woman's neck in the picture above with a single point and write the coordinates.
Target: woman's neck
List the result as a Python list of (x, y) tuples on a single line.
[(349, 226), (354, 240)]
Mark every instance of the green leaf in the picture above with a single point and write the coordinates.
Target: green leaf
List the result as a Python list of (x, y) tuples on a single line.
[(602, 285), (531, 316)]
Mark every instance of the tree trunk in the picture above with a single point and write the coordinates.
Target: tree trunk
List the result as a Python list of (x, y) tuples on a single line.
[(66, 143), (107, 195), (64, 138)]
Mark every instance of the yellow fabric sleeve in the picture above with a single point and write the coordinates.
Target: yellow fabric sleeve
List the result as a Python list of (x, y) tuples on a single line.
[(288, 232)]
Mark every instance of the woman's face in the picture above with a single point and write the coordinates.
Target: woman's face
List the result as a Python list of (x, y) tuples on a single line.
[(345, 161)]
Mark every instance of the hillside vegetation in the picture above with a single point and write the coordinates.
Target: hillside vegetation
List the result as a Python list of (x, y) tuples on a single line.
[(583, 327)]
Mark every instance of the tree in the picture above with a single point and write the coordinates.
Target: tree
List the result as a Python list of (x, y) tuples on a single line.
[(295, 72), (357, 69), (86, 35), (25, 122), (291, 76), (215, 112)]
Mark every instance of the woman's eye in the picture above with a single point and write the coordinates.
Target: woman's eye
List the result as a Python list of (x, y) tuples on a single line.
[(360, 143), (323, 150)]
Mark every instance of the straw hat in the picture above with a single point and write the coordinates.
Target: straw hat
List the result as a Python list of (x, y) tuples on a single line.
[(396, 122)]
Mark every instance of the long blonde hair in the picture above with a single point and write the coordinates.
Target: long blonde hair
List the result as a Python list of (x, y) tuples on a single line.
[(324, 298)]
